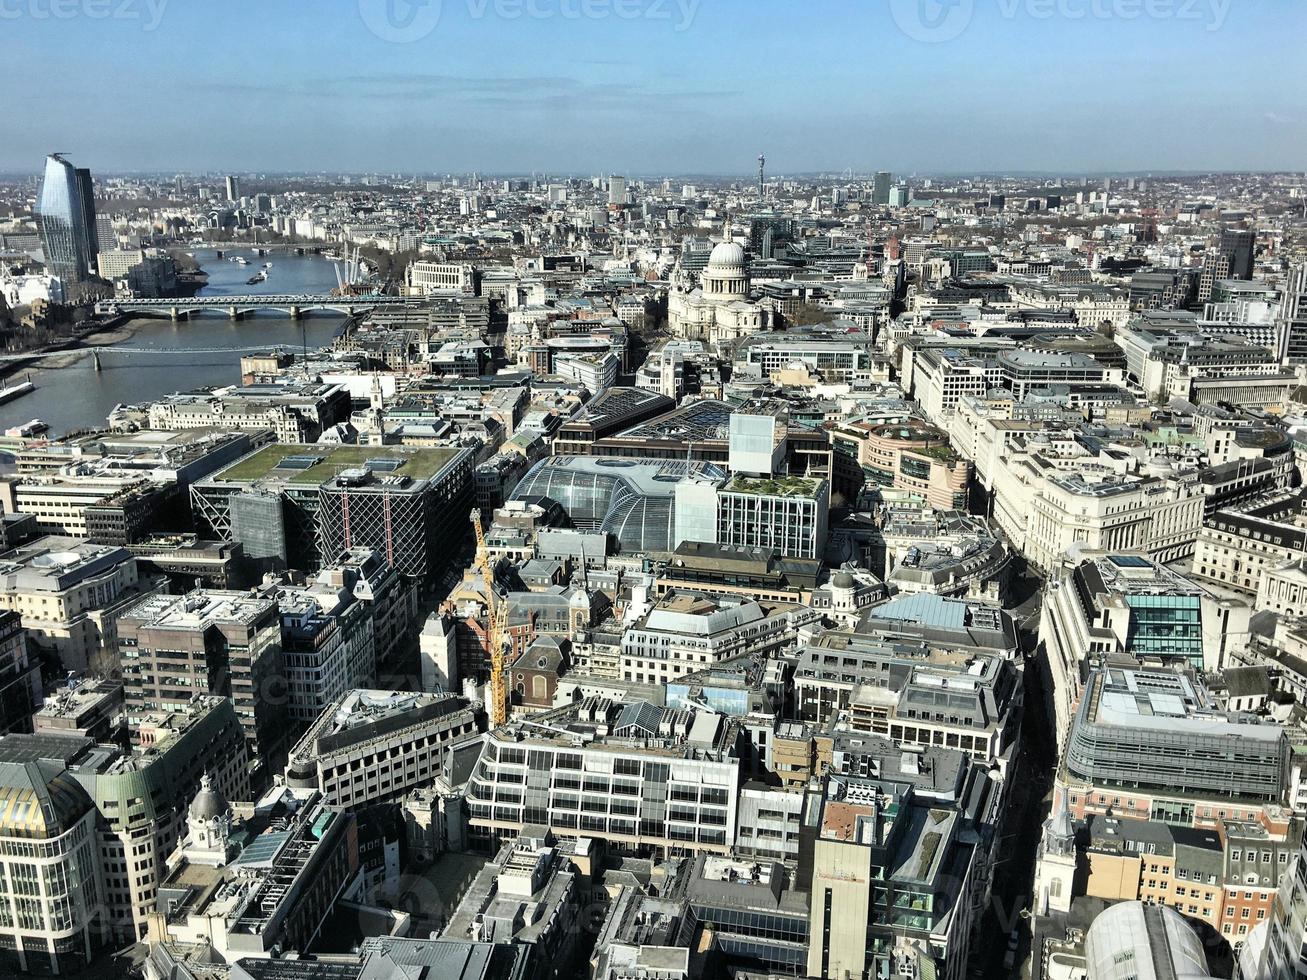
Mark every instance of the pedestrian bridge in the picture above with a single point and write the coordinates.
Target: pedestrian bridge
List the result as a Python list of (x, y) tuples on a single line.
[(292, 304)]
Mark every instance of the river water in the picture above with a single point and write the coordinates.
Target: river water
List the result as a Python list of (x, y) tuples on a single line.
[(162, 357)]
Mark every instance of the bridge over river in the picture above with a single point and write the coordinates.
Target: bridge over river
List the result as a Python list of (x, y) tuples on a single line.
[(293, 305)]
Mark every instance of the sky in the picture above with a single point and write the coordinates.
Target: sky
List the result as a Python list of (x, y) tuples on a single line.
[(654, 86)]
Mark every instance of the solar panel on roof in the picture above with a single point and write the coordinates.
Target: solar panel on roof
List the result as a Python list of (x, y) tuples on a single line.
[(263, 849), (1130, 561), (298, 462), (384, 465)]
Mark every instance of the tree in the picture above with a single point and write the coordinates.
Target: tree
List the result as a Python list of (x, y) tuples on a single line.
[(806, 315)]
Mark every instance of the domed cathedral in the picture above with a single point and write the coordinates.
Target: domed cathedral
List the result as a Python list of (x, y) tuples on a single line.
[(719, 309)]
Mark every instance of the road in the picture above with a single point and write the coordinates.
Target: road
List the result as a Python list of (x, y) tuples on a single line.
[(1028, 801)]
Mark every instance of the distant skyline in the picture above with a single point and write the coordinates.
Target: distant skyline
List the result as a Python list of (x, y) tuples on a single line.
[(216, 176), (665, 87)]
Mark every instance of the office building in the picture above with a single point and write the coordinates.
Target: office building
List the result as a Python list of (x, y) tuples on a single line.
[(105, 506), (20, 676), (1045, 510), (786, 514), (376, 746), (757, 914), (946, 553), (303, 507), (685, 632), (295, 411), (1291, 325), (881, 187), (913, 695), (140, 795), (427, 277), (757, 439), (391, 601), (326, 644), (65, 214), (263, 888), (1237, 547), (87, 709), (69, 595), (1232, 258), (51, 922), (894, 872), (1273, 949), (747, 573), (831, 358), (635, 774), (209, 642), (1108, 605), (233, 188), (906, 456), (608, 413), (530, 895), (616, 191), (1149, 744)]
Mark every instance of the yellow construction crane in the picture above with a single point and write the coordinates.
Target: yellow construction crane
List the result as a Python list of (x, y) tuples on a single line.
[(496, 631)]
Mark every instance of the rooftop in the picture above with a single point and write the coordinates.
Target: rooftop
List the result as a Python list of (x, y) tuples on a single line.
[(200, 609), (313, 465), (777, 486)]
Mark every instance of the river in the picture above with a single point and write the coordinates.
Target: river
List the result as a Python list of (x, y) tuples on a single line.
[(158, 358)]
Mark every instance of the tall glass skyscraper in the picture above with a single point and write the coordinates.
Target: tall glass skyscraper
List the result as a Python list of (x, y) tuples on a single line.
[(65, 213)]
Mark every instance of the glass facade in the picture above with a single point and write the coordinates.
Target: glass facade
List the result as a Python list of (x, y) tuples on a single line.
[(755, 442), (66, 216), (1167, 625), (636, 501)]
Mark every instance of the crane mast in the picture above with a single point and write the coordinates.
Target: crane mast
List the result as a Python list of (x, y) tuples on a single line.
[(496, 630)]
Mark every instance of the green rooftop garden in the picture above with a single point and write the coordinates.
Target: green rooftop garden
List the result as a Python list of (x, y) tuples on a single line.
[(774, 486), (418, 464), (943, 451)]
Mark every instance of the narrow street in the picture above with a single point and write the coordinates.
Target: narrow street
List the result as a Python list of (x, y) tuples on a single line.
[(1027, 807)]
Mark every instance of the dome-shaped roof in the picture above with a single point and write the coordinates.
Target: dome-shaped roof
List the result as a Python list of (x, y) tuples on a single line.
[(40, 800), (842, 580), (208, 802), (727, 256)]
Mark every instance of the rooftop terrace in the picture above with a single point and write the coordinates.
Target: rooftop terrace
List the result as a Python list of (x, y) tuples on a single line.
[(314, 465)]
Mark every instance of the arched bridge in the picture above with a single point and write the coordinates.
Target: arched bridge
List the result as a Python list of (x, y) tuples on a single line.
[(292, 304)]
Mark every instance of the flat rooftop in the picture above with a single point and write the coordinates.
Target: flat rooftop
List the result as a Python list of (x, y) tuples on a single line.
[(776, 486), (200, 609), (313, 465)]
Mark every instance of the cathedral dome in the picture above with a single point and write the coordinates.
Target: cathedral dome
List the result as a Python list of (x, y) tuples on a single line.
[(727, 257)]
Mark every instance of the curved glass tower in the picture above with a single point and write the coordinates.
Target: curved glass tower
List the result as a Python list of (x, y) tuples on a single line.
[(65, 212)]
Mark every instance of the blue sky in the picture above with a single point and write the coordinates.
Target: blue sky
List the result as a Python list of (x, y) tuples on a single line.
[(655, 86)]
